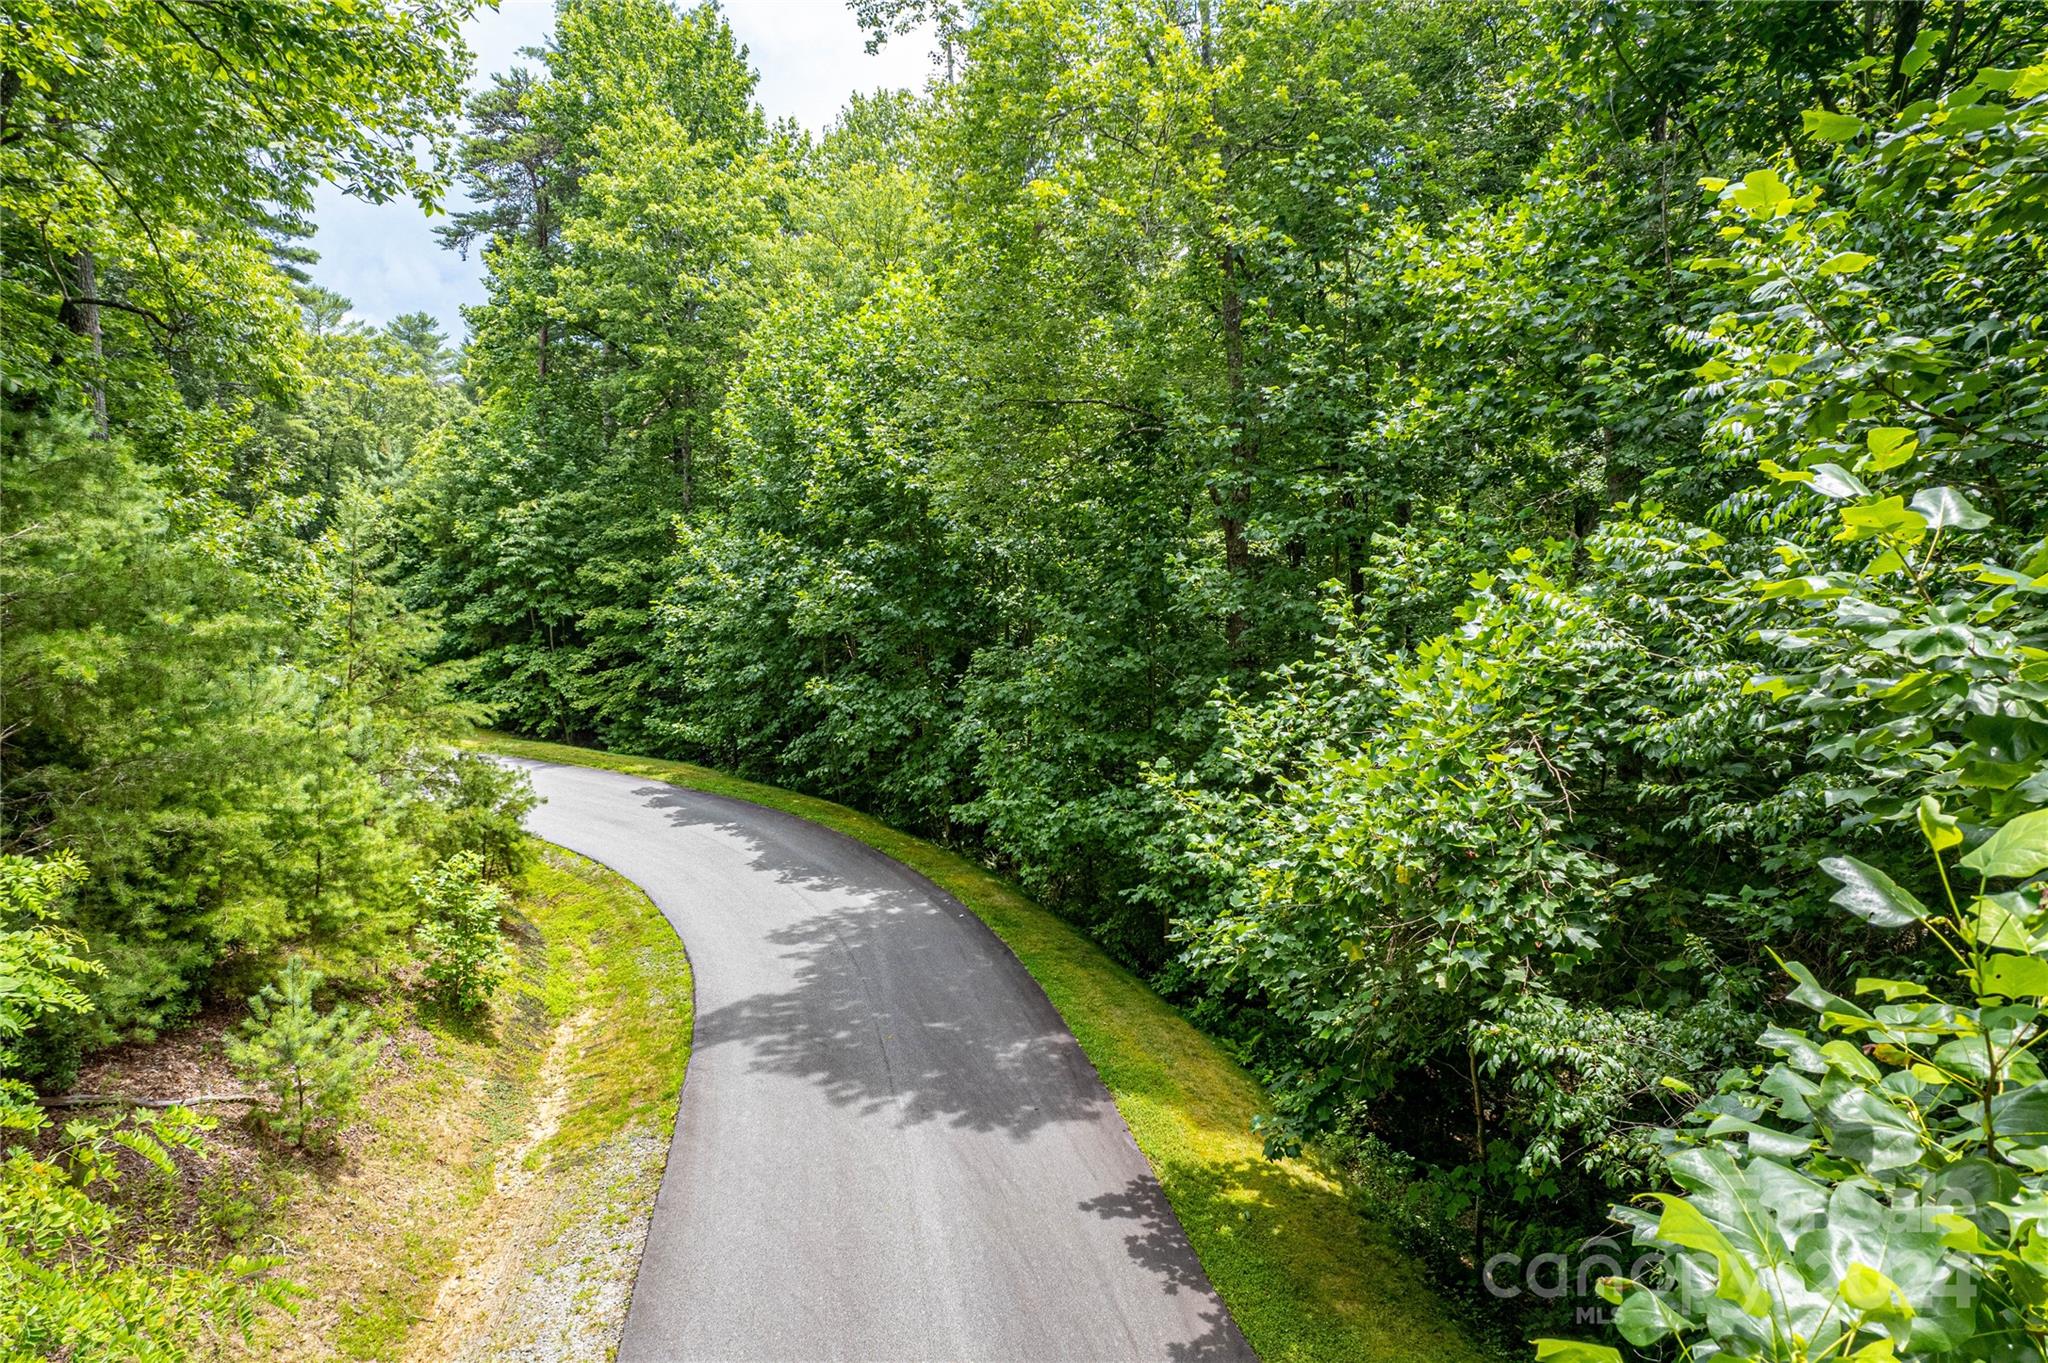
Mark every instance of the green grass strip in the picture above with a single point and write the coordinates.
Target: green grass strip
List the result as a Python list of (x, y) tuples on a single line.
[(1307, 1278)]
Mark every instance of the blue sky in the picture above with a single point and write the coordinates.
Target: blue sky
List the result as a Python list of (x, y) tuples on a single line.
[(385, 259)]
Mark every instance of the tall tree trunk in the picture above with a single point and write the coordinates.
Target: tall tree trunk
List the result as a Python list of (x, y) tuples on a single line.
[(82, 315), (541, 240), (1905, 34), (1234, 502), (1352, 549)]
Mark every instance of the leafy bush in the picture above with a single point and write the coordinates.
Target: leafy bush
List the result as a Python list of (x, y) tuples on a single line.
[(458, 933), (234, 729), (1882, 1190), (40, 960), (75, 1282), (1404, 878), (475, 805), (310, 1065), (77, 1279)]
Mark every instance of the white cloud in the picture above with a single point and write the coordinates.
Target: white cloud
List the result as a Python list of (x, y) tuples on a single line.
[(385, 258)]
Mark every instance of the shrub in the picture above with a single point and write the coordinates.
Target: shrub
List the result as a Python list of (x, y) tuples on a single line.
[(71, 1283), (1881, 1191), (466, 959), (475, 805), (39, 960), (310, 1065), (76, 1278)]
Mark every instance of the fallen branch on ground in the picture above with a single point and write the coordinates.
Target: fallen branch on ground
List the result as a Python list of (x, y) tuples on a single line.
[(128, 1100)]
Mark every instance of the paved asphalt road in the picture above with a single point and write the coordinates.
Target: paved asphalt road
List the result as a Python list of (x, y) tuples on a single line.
[(890, 1146)]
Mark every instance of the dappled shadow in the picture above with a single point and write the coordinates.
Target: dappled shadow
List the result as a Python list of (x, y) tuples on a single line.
[(1158, 1245), (902, 1005)]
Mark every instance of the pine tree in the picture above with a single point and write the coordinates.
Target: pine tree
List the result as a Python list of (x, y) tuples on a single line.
[(310, 1065)]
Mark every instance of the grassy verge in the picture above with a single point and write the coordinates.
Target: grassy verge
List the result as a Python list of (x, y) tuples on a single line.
[(1307, 1278), (492, 1198)]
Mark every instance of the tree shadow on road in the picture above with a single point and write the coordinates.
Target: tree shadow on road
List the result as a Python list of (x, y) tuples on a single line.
[(903, 1005), (1159, 1245)]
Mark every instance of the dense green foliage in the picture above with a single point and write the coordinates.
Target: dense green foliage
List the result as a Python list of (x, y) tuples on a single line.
[(213, 697), (1882, 1190), (78, 1277), (458, 933), (40, 960), (219, 728), (1420, 526)]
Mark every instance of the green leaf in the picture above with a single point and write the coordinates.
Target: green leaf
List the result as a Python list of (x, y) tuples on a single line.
[(1831, 127), (1923, 50), (2020, 1114), (1571, 1351), (1944, 507), (2015, 977), (2030, 82), (1850, 1060), (1872, 895), (1763, 195), (1891, 446), (1941, 830), (1683, 1224), (1832, 480), (1871, 1131), (1847, 262), (1764, 1140), (1864, 1288), (1797, 1048), (1975, 118), (1833, 1008), (2018, 849), (1888, 517), (1645, 1317), (2002, 921)]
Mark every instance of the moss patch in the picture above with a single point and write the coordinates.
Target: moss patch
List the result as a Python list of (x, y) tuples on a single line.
[(1306, 1277)]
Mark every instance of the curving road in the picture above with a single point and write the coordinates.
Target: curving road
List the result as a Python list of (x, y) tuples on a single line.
[(890, 1147)]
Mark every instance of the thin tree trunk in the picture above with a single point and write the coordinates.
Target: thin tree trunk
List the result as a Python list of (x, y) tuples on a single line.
[(1479, 1140)]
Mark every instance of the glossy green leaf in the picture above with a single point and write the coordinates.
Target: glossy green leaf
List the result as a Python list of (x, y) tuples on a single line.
[(1832, 480), (2018, 849), (1872, 895), (1945, 508)]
